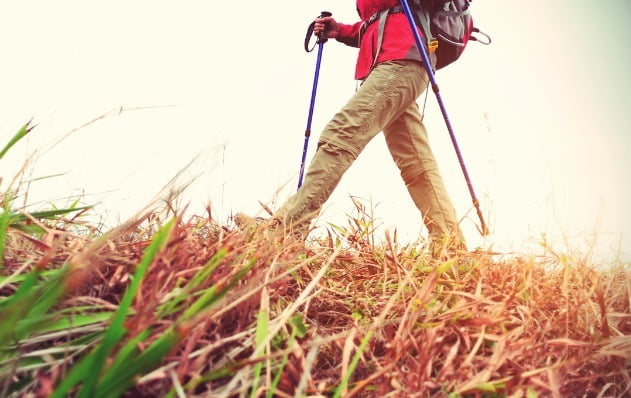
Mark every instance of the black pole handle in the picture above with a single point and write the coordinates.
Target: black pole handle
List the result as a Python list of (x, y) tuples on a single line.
[(322, 37)]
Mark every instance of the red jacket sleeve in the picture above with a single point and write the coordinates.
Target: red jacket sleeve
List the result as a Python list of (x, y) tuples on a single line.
[(349, 34)]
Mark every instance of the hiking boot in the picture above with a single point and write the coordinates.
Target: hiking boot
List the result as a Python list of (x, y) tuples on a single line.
[(273, 224), (444, 250), (244, 221)]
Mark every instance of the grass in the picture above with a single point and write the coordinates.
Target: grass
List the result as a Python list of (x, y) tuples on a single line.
[(165, 305)]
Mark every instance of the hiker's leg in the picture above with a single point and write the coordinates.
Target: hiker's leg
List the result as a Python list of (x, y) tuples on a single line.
[(387, 92), (408, 143), (324, 173)]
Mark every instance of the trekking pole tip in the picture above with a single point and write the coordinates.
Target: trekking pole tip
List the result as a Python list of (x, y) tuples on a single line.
[(483, 229)]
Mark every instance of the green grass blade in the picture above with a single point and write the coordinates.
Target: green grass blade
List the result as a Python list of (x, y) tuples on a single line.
[(78, 372), (172, 305), (276, 380), (53, 322), (46, 177), (212, 295), (48, 293), (120, 378), (36, 317), (261, 333), (29, 229), (297, 329), (19, 217), (89, 338), (4, 224), (351, 368), (17, 137), (215, 374), (89, 369), (130, 350), (27, 285), (27, 306), (22, 277), (208, 268), (116, 330)]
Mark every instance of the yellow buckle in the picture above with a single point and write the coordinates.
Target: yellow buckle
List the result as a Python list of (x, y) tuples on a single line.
[(433, 45)]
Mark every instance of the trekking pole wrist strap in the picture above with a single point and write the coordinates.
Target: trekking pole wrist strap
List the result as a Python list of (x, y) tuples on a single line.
[(322, 38)]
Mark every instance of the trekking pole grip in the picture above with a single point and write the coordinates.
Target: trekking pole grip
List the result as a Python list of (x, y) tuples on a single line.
[(322, 37)]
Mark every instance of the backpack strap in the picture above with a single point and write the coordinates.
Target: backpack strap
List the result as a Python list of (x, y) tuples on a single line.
[(382, 16), (423, 19)]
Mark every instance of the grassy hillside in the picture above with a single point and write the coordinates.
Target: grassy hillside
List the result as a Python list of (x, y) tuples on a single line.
[(171, 306)]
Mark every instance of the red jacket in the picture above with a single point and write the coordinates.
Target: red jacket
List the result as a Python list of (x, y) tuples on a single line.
[(398, 41)]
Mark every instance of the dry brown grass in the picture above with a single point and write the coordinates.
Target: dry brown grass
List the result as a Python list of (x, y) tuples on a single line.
[(475, 325)]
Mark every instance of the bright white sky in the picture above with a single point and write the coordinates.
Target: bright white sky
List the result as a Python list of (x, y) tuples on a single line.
[(541, 115)]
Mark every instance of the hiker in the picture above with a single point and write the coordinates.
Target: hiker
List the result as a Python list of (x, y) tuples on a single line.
[(390, 68)]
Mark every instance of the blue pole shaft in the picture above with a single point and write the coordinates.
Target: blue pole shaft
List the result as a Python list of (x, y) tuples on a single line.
[(310, 117), (419, 43)]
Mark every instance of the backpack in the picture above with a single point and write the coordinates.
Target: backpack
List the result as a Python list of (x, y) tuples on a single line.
[(448, 27)]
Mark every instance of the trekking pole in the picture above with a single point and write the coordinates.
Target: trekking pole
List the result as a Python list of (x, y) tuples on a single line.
[(322, 38), (430, 72)]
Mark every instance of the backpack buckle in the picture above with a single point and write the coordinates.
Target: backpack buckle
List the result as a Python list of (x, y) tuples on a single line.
[(432, 45)]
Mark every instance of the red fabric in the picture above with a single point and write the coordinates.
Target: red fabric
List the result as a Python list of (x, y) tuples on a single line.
[(398, 41)]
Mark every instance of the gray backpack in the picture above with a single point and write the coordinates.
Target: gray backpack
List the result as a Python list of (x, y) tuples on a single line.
[(448, 27)]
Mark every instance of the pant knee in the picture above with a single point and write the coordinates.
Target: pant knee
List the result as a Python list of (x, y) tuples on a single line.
[(413, 175), (338, 149)]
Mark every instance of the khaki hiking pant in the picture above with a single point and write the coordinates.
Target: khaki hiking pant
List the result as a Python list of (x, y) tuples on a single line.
[(386, 101)]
